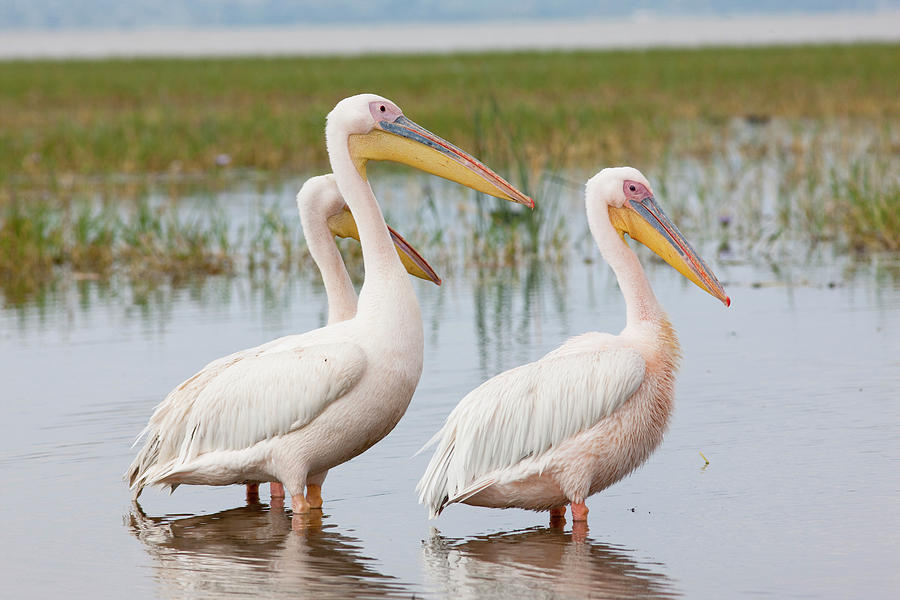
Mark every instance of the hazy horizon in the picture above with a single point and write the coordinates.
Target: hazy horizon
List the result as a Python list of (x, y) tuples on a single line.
[(52, 15)]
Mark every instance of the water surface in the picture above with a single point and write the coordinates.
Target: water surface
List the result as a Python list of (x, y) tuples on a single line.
[(791, 394)]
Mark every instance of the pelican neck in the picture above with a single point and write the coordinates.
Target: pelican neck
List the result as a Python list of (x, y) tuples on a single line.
[(339, 289), (641, 304), (386, 286)]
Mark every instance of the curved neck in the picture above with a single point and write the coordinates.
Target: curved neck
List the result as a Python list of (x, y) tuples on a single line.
[(338, 287), (640, 302), (386, 284)]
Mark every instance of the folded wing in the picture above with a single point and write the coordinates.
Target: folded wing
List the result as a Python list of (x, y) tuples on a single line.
[(523, 413), (243, 399)]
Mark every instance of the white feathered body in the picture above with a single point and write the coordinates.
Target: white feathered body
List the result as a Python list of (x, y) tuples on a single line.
[(559, 429), (291, 408)]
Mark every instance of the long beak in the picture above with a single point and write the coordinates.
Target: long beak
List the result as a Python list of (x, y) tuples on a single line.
[(343, 225), (402, 140), (646, 222)]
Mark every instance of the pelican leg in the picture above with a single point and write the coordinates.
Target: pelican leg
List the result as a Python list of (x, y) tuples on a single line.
[(314, 490), (314, 496), (579, 511), (252, 492), (558, 516), (299, 505), (276, 495)]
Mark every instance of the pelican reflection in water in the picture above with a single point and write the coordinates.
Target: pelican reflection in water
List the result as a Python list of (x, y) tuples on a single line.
[(539, 563), (251, 551)]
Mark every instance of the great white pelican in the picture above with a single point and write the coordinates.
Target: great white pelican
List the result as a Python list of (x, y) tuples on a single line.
[(555, 431), (312, 401)]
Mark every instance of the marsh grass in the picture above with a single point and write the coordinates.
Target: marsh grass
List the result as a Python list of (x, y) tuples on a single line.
[(274, 242), (765, 192), (867, 207), (752, 151), (503, 233), (771, 188), (74, 118), (152, 243)]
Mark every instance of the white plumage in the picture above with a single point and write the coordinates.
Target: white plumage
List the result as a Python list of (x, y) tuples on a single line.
[(557, 430), (523, 413), (291, 409)]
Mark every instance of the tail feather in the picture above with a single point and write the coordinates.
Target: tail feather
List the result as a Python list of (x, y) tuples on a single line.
[(434, 440), (478, 486), (138, 472), (433, 487)]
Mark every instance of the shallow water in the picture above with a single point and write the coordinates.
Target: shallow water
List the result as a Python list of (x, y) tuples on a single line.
[(791, 394)]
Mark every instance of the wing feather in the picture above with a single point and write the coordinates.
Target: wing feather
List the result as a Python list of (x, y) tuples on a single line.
[(523, 413), (243, 399)]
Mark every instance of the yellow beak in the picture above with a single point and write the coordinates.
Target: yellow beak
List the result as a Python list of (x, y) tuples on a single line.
[(646, 222), (343, 225), (403, 141)]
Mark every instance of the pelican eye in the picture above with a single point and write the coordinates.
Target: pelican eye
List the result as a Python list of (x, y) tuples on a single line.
[(632, 188), (382, 108)]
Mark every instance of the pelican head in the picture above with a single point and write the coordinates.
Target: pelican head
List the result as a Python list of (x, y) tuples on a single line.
[(378, 130), (320, 198), (633, 210)]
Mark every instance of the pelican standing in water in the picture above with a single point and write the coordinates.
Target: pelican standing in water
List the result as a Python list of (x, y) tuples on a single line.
[(324, 215), (555, 431), (313, 401)]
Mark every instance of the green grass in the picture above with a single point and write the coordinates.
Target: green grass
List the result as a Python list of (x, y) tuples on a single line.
[(38, 239), (867, 207), (717, 130), (62, 118)]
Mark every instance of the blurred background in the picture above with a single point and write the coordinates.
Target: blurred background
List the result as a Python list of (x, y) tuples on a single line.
[(138, 14)]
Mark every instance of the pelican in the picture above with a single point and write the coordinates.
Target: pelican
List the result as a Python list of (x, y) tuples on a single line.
[(324, 215), (308, 402), (557, 430)]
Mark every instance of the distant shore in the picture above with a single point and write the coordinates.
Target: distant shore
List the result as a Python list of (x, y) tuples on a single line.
[(644, 31)]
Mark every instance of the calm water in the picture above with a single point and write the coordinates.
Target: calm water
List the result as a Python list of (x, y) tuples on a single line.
[(791, 394)]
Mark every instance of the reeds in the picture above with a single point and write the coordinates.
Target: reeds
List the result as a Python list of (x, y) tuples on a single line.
[(752, 150), (767, 189), (64, 118), (39, 239), (868, 208)]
